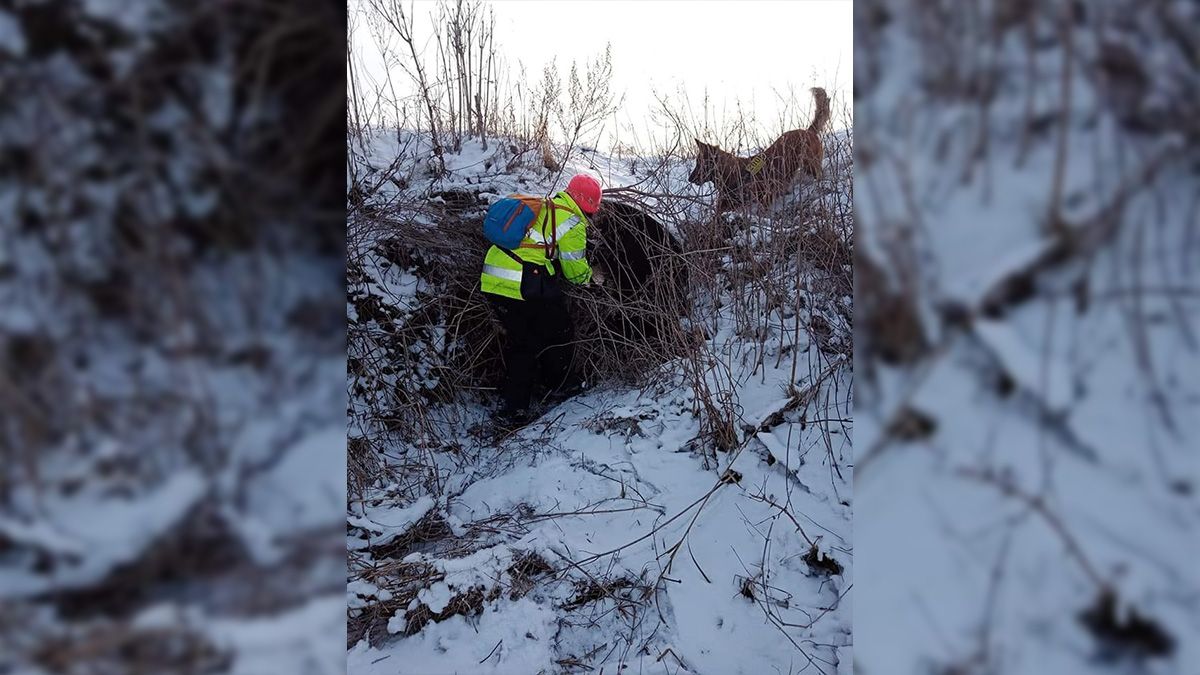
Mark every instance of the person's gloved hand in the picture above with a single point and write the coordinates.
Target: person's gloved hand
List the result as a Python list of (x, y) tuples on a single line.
[(597, 276)]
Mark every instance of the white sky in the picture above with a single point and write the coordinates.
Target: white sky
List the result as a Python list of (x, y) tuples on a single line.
[(749, 50)]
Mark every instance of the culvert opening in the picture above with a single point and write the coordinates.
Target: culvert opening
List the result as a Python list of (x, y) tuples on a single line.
[(631, 322)]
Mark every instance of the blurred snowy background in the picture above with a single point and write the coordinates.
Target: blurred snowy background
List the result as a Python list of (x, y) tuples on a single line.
[(1028, 179), (172, 337)]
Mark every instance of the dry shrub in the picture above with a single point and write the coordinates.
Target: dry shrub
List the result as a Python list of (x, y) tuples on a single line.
[(618, 589), (403, 581), (469, 603), (526, 569), (430, 528)]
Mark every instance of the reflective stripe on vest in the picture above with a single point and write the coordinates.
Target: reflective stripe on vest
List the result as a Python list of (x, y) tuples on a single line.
[(501, 273), (563, 228), (571, 255)]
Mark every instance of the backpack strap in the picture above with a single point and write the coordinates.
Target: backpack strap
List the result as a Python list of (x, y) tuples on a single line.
[(552, 247), (512, 255), (508, 252)]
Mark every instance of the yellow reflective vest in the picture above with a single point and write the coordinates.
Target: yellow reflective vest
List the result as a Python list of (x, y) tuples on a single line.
[(502, 275)]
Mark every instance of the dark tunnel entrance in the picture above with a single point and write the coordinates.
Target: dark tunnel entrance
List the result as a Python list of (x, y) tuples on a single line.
[(632, 247), (629, 322)]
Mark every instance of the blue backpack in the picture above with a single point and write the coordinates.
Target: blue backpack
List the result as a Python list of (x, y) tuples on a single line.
[(509, 219)]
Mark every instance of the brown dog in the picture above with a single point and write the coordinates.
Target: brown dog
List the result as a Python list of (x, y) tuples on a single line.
[(764, 177)]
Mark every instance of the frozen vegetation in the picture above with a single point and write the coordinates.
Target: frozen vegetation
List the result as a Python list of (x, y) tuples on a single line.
[(172, 436), (1027, 298)]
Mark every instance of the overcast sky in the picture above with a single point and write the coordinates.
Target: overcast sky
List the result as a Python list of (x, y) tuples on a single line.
[(752, 51)]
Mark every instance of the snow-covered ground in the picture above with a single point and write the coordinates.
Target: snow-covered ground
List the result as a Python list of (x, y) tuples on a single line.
[(113, 538), (609, 534), (1060, 461)]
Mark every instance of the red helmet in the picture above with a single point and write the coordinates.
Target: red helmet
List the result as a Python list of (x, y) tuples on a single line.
[(585, 190)]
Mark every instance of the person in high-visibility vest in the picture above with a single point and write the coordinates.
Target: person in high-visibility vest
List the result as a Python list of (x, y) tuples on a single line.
[(523, 286)]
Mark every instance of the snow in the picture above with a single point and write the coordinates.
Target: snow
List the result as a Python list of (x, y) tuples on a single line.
[(1051, 379), (297, 495), (395, 521), (12, 39), (110, 531), (136, 17), (588, 477), (509, 637), (40, 535), (296, 641)]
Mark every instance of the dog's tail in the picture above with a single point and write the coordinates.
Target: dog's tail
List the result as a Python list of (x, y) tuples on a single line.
[(821, 119)]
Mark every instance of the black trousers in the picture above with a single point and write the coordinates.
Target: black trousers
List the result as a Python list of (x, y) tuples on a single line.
[(537, 348)]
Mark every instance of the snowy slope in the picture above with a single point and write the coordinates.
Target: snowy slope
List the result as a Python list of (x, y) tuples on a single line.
[(610, 533), (1061, 460)]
